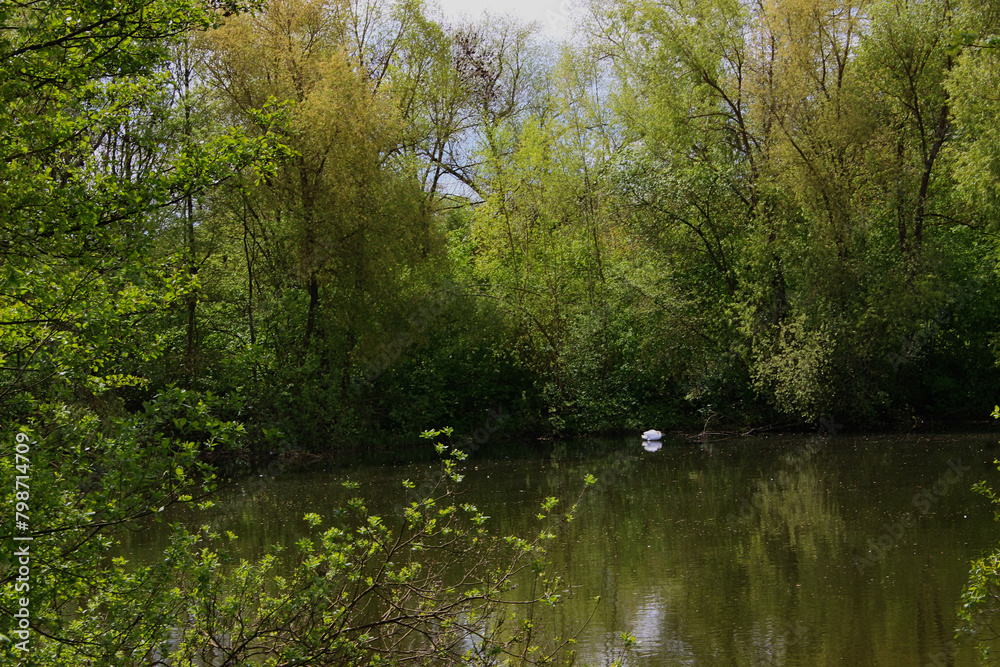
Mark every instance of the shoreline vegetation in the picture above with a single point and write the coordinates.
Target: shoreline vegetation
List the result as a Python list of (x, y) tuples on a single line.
[(410, 451)]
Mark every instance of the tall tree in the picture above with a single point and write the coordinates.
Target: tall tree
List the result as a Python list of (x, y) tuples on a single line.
[(791, 156), (342, 226), (88, 178)]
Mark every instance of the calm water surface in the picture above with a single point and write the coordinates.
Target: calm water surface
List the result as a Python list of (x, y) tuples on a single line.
[(768, 551)]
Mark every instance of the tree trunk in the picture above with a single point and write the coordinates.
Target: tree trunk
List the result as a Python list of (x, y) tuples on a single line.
[(313, 288)]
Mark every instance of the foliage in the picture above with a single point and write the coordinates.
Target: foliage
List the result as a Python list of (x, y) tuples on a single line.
[(333, 214), (672, 218), (761, 141), (435, 583), (90, 478), (439, 586), (981, 596)]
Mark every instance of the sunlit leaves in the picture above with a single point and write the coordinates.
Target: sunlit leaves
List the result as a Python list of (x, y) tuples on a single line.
[(442, 577)]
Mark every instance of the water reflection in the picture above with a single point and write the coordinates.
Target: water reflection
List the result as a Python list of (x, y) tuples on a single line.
[(741, 553)]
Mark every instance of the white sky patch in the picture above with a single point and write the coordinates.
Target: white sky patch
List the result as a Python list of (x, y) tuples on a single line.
[(554, 17)]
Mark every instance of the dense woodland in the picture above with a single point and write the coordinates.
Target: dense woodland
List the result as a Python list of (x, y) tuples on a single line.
[(300, 225), (344, 219), (347, 219)]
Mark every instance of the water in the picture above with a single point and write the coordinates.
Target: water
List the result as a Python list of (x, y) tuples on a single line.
[(767, 551)]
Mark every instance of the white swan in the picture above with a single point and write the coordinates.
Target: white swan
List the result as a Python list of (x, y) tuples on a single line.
[(652, 435)]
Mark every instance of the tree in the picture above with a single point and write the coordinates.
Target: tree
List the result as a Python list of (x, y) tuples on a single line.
[(86, 185), (790, 160), (981, 596), (342, 229)]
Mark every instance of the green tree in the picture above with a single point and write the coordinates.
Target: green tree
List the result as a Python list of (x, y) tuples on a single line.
[(789, 160), (86, 186), (335, 239)]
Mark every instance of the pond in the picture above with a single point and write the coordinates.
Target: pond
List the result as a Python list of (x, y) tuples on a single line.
[(798, 550)]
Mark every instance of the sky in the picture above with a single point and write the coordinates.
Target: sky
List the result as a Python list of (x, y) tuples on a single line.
[(553, 16)]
